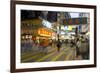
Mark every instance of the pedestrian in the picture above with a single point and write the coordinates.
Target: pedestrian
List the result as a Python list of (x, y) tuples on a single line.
[(58, 45), (84, 49), (77, 47), (72, 43)]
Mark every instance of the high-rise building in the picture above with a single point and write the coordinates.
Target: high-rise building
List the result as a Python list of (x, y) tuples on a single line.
[(84, 27)]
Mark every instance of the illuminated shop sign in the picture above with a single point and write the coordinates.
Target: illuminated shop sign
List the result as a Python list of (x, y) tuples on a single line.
[(44, 32), (75, 21), (46, 23)]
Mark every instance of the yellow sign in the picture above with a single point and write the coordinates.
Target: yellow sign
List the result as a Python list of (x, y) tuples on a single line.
[(69, 28)]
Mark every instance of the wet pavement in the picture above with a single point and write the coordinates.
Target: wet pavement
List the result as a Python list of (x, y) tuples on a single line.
[(66, 53)]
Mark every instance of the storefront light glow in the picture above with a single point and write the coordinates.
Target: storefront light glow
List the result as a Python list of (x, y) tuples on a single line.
[(62, 32), (69, 28), (44, 32), (46, 23), (74, 14), (65, 28), (62, 27), (26, 36)]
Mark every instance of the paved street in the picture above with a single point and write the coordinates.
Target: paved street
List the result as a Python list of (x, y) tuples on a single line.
[(66, 53)]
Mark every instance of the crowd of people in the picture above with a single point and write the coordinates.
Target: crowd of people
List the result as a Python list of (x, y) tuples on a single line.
[(35, 45), (81, 45)]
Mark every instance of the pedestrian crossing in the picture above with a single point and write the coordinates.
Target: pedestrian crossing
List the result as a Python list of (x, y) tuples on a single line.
[(64, 55), (45, 57), (32, 57), (69, 55), (57, 56)]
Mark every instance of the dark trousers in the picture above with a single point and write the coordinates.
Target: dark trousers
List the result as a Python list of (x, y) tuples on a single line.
[(77, 51), (58, 48)]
